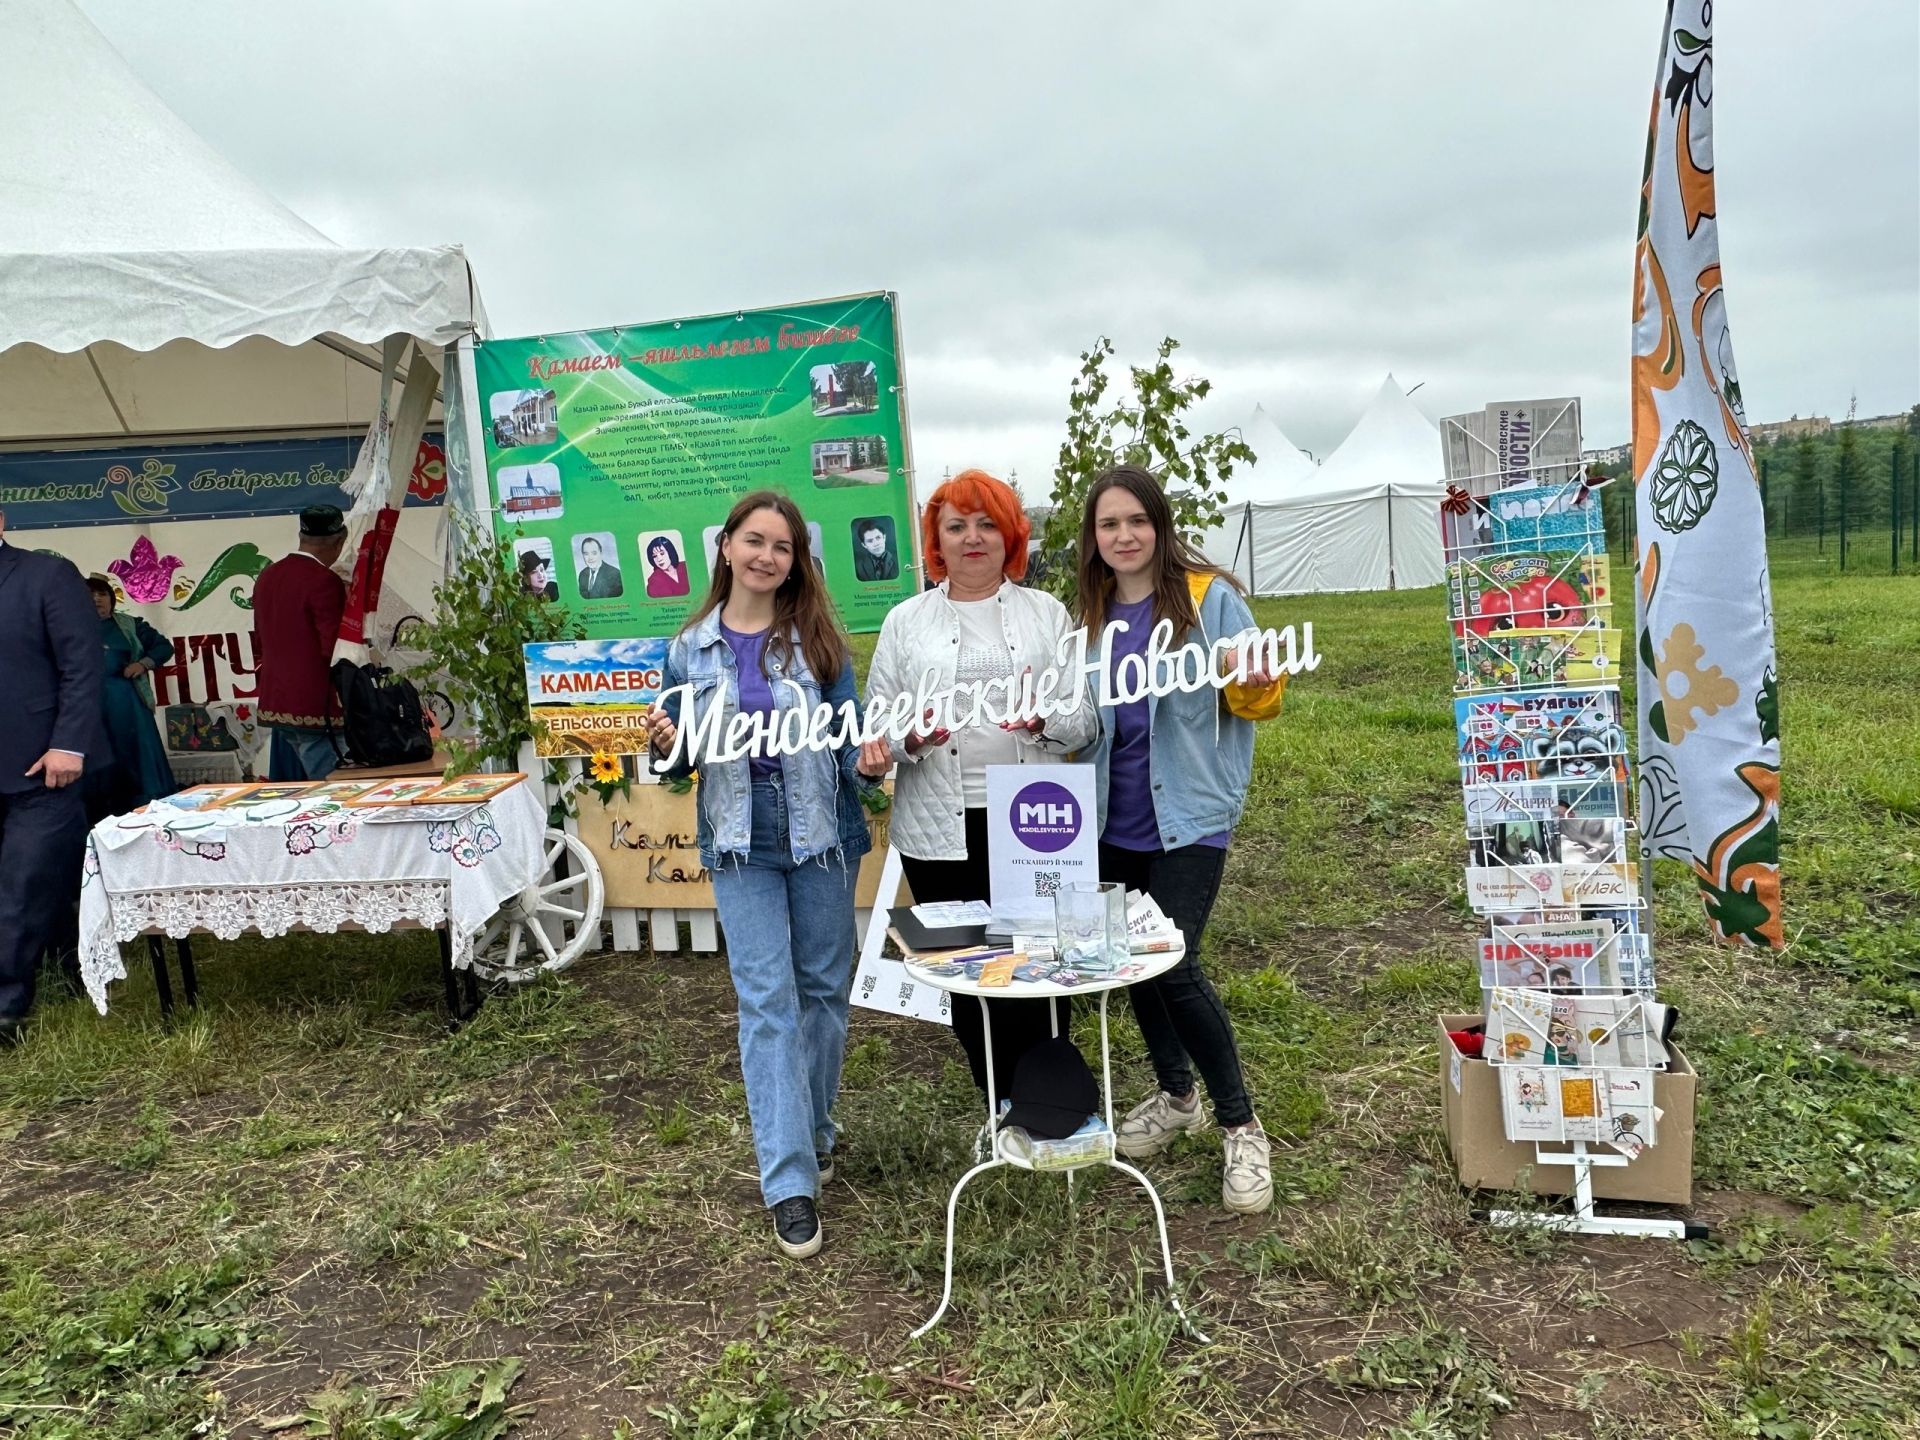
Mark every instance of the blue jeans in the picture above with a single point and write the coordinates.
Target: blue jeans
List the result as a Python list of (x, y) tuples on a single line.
[(295, 752), (790, 948)]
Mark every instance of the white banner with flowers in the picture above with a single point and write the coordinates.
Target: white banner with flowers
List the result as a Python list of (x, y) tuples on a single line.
[(1709, 698)]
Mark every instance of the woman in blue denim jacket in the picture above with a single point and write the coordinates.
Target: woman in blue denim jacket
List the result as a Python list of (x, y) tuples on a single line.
[(782, 836), (1173, 774)]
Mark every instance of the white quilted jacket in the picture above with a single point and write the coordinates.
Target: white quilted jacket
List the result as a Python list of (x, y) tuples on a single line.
[(929, 820)]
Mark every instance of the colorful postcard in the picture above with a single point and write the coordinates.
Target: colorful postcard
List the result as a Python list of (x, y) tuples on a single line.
[(470, 789), (398, 792), (1531, 1103)]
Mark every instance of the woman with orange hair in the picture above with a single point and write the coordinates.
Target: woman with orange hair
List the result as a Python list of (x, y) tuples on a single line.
[(977, 625)]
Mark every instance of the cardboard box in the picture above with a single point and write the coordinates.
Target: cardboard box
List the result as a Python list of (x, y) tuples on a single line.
[(1487, 1160)]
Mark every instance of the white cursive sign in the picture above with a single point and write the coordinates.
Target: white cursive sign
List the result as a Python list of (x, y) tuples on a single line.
[(708, 736)]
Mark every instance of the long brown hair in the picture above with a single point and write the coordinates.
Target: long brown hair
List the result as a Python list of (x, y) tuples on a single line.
[(801, 604), (1174, 556)]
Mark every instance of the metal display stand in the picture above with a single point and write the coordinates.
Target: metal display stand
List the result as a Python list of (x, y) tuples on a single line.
[(1552, 533), (958, 985), (1583, 1220)]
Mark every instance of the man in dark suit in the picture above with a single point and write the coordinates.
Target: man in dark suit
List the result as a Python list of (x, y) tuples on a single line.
[(50, 658), (598, 580)]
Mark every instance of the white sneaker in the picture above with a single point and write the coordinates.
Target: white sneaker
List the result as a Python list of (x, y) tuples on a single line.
[(1246, 1181), (1151, 1125)]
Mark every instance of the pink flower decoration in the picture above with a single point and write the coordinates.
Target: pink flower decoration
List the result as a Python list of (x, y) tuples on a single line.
[(146, 573)]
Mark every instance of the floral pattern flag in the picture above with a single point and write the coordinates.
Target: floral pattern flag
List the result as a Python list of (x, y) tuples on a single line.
[(1709, 698)]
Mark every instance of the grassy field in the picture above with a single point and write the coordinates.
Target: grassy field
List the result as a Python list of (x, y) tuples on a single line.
[(307, 1210)]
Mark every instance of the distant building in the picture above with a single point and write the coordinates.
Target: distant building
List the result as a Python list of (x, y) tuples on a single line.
[(1612, 455), (1790, 429), (1884, 422)]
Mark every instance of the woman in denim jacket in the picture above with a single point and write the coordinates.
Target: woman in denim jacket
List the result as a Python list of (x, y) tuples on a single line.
[(782, 836), (1173, 774)]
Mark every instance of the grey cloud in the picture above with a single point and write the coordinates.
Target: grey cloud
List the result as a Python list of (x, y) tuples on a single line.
[(1307, 195)]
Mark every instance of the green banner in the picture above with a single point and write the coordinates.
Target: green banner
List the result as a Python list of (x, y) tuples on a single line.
[(616, 454)]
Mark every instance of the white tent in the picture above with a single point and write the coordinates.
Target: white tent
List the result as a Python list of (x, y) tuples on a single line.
[(151, 295), (151, 289), (1368, 519)]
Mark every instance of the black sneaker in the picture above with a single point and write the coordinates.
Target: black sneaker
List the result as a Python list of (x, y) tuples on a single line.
[(824, 1159), (796, 1225)]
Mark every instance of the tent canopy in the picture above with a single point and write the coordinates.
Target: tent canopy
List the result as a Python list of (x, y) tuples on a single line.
[(1368, 519), (148, 288), (1279, 467)]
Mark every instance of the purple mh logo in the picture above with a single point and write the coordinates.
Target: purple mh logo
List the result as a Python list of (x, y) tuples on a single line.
[(1045, 816)]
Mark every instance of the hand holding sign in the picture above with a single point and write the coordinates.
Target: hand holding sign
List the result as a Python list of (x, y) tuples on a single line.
[(660, 730)]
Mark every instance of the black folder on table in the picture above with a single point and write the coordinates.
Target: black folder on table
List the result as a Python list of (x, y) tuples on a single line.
[(927, 939)]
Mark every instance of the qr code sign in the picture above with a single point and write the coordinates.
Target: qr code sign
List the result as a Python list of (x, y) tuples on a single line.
[(1046, 883)]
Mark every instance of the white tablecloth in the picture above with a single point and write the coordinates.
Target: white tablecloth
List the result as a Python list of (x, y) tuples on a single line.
[(321, 865)]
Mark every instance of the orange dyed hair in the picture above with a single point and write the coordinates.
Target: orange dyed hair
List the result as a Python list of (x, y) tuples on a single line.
[(967, 492)]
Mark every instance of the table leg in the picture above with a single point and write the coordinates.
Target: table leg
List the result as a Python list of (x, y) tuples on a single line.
[(1166, 1250), (447, 981), (1159, 1214), (162, 982), (470, 984), (189, 980), (946, 1284)]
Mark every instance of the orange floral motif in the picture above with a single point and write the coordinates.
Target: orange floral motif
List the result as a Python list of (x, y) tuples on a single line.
[(1688, 689)]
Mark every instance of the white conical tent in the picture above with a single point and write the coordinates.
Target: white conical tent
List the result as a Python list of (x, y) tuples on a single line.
[(152, 295), (1368, 519), (147, 287), (1279, 469)]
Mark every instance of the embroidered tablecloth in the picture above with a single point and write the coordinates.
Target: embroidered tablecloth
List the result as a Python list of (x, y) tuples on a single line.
[(318, 865)]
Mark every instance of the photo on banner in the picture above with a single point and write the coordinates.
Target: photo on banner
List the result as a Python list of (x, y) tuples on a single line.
[(640, 438)]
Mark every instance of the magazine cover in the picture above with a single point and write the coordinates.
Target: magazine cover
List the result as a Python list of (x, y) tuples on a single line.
[(1559, 956), (1529, 590), (1595, 797), (1572, 735), (1502, 659), (1525, 518)]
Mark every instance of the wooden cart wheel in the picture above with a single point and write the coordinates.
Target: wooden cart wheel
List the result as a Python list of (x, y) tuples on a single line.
[(548, 925)]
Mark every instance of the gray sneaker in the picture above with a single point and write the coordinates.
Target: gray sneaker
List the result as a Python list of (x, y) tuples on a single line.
[(1151, 1125), (1246, 1180)]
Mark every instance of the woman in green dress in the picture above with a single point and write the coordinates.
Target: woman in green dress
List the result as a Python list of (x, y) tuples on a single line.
[(137, 770)]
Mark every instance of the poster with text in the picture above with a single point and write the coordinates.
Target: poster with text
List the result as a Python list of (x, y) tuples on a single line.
[(615, 456)]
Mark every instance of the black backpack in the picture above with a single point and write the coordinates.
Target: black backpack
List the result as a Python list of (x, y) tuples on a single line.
[(380, 715)]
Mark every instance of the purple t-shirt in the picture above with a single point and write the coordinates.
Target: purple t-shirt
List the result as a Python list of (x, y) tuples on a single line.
[(1131, 821), (756, 691)]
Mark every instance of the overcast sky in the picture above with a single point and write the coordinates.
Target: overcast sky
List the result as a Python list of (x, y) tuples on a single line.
[(1306, 195)]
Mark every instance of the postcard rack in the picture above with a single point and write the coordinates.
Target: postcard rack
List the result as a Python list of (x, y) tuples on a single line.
[(1566, 968)]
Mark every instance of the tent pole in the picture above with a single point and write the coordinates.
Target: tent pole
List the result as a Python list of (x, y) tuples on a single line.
[(1391, 583), (1246, 539)]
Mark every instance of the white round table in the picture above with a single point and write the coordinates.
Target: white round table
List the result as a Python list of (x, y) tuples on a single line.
[(1138, 968)]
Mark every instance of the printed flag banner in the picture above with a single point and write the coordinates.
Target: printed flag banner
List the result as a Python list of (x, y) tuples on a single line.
[(1709, 699)]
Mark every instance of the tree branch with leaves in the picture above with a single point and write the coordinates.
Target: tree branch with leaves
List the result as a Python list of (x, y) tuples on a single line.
[(1149, 429)]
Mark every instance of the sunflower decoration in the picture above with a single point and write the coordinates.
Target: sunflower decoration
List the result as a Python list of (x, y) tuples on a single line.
[(607, 775)]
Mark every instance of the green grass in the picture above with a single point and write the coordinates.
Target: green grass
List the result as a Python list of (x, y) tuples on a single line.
[(307, 1210)]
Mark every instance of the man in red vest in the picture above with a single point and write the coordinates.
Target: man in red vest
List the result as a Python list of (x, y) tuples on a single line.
[(297, 603)]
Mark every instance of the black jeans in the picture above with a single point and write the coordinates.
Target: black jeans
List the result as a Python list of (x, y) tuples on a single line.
[(43, 834), (1018, 1025), (1180, 1014)]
